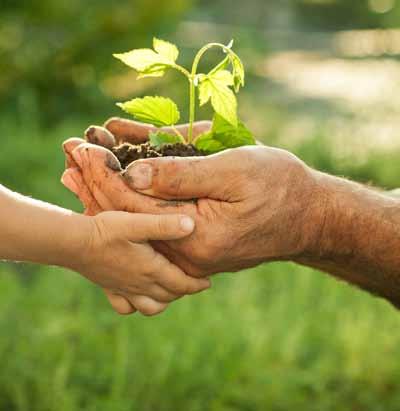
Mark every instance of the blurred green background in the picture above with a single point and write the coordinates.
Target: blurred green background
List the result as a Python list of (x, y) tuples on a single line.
[(323, 80)]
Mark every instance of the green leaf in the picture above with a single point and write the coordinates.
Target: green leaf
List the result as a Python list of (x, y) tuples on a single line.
[(166, 49), (205, 90), (207, 143), (158, 138), (151, 63), (224, 103), (143, 59), (232, 136), (215, 86), (238, 71), (159, 111), (155, 71), (223, 136), (221, 78)]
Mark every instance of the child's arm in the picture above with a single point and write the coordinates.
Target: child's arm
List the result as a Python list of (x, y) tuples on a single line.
[(108, 249)]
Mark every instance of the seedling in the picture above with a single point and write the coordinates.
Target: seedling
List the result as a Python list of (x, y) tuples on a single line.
[(218, 87)]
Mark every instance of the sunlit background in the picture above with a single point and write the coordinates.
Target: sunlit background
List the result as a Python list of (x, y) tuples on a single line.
[(323, 80)]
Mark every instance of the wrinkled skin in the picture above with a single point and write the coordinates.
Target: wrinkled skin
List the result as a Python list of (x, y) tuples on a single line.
[(253, 203)]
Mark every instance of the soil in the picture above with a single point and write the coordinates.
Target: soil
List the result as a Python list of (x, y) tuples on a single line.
[(127, 153)]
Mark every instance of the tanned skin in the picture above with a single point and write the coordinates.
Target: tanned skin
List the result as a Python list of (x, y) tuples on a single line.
[(359, 236), (253, 205)]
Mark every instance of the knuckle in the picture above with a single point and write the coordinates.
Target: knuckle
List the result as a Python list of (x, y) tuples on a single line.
[(175, 184), (180, 286), (177, 288), (147, 272), (161, 225)]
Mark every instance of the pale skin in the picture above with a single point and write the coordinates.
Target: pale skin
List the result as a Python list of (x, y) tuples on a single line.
[(110, 249), (254, 204)]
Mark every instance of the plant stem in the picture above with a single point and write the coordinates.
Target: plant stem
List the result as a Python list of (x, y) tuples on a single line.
[(192, 113), (192, 89), (182, 70), (192, 103), (178, 133)]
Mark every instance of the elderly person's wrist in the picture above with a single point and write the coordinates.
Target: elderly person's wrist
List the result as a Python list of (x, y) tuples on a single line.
[(306, 203), (345, 215), (359, 236), (337, 208), (323, 219)]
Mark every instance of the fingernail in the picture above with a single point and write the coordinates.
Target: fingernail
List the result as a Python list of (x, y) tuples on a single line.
[(140, 176), (100, 136), (70, 183), (187, 224)]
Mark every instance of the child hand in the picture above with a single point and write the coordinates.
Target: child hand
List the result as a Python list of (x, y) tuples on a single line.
[(118, 258)]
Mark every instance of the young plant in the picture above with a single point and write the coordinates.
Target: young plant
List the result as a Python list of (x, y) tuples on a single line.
[(218, 86)]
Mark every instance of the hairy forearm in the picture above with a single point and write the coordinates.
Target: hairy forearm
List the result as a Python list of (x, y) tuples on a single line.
[(359, 239), (35, 231)]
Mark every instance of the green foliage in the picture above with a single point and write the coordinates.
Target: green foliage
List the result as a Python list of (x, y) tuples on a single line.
[(278, 337), (216, 86), (224, 135), (208, 143), (60, 51), (237, 69), (168, 50), (295, 335), (151, 63), (159, 138), (159, 111)]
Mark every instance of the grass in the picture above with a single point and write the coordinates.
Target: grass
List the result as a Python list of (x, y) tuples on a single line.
[(278, 337)]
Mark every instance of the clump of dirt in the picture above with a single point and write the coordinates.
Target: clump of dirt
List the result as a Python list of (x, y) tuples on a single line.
[(127, 153)]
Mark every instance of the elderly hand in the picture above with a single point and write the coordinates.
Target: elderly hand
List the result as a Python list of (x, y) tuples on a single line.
[(253, 204)]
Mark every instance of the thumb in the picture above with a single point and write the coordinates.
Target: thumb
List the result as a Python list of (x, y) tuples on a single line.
[(146, 227), (182, 178)]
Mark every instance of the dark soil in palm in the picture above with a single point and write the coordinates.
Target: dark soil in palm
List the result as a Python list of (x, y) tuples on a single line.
[(127, 153)]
